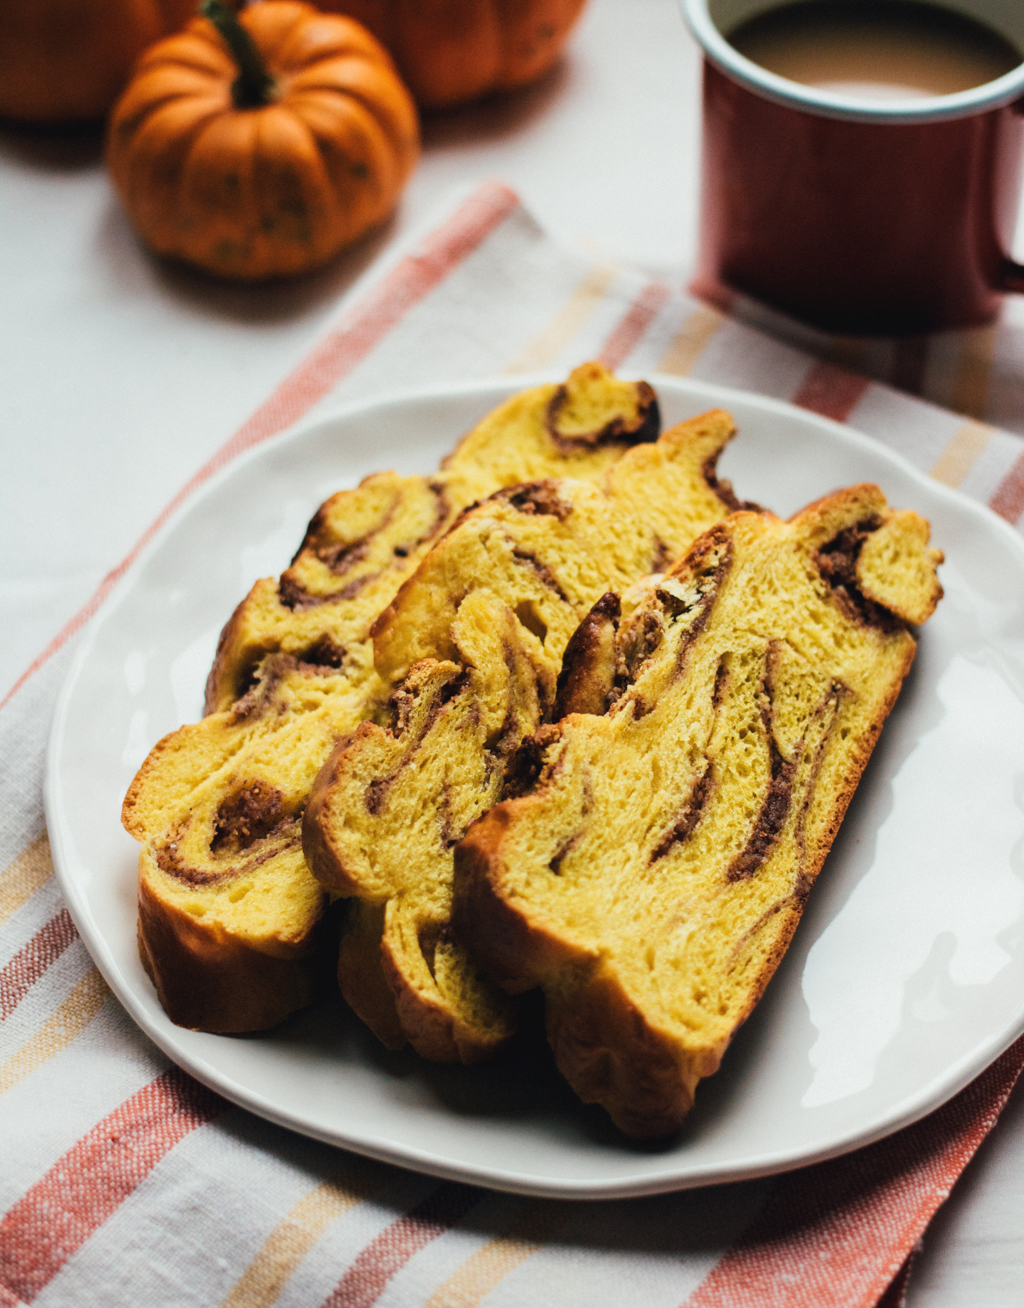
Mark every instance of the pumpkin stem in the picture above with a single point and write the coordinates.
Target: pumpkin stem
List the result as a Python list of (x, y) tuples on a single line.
[(254, 86)]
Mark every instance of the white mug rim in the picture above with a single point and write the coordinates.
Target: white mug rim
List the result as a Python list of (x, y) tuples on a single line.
[(828, 104)]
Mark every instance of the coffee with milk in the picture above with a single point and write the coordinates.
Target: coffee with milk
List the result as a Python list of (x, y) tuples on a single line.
[(875, 49)]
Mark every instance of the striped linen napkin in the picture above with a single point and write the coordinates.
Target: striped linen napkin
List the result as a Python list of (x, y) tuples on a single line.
[(124, 1182)]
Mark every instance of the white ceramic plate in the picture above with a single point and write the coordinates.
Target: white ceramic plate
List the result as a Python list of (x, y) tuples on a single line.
[(905, 979)]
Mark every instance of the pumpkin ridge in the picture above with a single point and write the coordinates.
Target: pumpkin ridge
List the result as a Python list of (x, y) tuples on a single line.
[(151, 89), (364, 154), (297, 194), (157, 164), (278, 32), (186, 50), (371, 158), (400, 136), (140, 115), (196, 182)]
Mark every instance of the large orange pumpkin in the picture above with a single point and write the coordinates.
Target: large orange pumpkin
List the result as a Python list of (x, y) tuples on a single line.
[(62, 60), (264, 145), (453, 51)]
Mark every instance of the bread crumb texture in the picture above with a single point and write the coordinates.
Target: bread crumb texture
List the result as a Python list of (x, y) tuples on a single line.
[(652, 876), (226, 895), (470, 650)]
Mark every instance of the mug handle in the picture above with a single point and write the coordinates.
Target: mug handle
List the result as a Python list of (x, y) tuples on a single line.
[(1012, 276)]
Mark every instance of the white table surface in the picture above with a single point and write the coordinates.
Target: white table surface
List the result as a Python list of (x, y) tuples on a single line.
[(119, 378)]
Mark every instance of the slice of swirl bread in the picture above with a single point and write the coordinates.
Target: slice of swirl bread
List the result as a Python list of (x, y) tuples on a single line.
[(471, 649), (228, 911), (361, 545), (651, 876), (228, 908)]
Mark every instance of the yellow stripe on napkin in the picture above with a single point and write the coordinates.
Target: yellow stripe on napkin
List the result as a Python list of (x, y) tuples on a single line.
[(479, 1274), (549, 344), (291, 1240), (961, 454), (69, 1021), (20, 880), (692, 339)]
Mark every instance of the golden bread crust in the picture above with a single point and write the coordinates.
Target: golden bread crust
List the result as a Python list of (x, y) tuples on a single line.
[(653, 874), (361, 976), (610, 1052), (215, 982)]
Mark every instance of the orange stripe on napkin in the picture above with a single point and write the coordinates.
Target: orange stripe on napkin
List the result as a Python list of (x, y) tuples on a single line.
[(57, 1032), (831, 391), (366, 326), (261, 1283), (691, 340), (20, 880), (534, 1226), (1008, 500), (386, 1255), (961, 454), (80, 1192), (30, 962), (632, 326), (836, 1234), (566, 323)]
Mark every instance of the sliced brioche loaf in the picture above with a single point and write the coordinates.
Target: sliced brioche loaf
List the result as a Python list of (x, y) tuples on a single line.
[(362, 544), (471, 649), (651, 877), (228, 908)]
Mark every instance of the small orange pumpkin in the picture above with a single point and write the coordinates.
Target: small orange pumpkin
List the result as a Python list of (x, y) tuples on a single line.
[(62, 60), (261, 145), (453, 51)]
